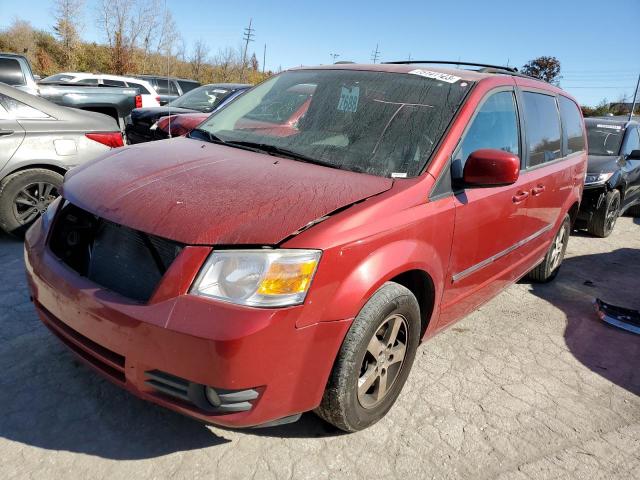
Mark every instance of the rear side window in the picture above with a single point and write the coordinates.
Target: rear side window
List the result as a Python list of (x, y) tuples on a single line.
[(494, 126), (572, 132), (166, 87), (20, 110), (141, 89), (542, 125), (187, 86), (10, 72), (88, 81), (113, 83)]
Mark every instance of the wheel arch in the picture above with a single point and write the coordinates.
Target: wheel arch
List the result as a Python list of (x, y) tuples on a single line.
[(37, 165), (412, 263)]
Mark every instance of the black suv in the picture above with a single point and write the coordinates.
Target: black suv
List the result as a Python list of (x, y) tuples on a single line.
[(612, 184), (170, 88)]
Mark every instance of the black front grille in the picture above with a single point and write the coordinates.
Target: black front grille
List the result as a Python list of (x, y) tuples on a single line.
[(113, 256)]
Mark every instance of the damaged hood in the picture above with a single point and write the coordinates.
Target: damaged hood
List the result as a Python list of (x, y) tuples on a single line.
[(201, 193)]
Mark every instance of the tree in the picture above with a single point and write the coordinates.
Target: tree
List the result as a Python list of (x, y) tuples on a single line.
[(123, 23), (198, 58), (67, 28), (254, 62), (544, 68)]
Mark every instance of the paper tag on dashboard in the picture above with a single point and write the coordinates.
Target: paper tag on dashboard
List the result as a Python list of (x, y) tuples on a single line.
[(445, 77)]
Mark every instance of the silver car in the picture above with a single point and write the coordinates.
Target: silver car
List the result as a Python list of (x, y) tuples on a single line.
[(39, 142)]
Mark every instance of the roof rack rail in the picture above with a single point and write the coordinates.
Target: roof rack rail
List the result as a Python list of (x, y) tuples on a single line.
[(451, 62)]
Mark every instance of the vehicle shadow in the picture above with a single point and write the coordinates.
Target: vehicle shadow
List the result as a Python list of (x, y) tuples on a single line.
[(49, 399), (608, 351)]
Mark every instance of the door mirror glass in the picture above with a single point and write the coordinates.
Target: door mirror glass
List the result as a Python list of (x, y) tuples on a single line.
[(491, 168)]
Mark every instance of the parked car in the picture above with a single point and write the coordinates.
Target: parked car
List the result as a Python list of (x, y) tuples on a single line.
[(202, 99), (15, 70), (116, 102), (149, 96), (243, 278), (169, 88), (39, 142), (280, 117), (612, 184)]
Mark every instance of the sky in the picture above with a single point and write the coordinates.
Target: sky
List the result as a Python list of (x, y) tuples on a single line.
[(587, 36)]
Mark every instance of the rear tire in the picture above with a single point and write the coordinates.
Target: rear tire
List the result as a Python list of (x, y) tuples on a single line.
[(548, 269), (604, 218), (373, 362), (24, 196)]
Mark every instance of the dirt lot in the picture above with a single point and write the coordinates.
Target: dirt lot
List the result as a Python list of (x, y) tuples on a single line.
[(529, 386)]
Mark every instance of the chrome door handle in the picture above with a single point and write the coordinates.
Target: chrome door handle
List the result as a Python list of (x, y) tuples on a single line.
[(520, 197)]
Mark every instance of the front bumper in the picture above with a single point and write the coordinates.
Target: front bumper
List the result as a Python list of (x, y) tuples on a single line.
[(251, 355)]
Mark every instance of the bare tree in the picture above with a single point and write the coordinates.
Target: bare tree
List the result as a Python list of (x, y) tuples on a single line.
[(227, 60), (254, 63), (198, 57), (123, 23), (68, 16), (21, 38)]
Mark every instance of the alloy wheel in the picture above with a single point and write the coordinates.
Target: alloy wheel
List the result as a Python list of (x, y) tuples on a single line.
[(382, 361), (612, 214), (33, 200), (557, 249)]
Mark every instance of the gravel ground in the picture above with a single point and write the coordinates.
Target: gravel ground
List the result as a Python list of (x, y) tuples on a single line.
[(531, 385)]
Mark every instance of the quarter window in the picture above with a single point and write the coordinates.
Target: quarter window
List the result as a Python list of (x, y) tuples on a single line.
[(495, 126), (573, 134), (542, 125), (113, 83), (20, 110), (141, 88)]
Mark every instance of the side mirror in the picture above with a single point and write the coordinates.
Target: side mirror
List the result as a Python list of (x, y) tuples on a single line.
[(491, 168), (634, 155)]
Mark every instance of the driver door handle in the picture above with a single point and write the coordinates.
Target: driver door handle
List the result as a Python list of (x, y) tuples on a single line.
[(5, 132), (537, 190), (520, 197)]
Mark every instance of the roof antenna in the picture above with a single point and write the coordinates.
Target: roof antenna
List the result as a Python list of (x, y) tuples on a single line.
[(168, 89)]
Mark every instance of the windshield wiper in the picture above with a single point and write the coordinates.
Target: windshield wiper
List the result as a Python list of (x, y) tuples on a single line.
[(202, 134), (278, 151)]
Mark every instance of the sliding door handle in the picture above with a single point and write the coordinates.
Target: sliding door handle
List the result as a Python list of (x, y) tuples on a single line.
[(520, 197)]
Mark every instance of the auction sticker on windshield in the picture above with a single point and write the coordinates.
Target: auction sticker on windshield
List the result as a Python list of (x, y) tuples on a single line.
[(349, 99), (612, 127), (445, 77)]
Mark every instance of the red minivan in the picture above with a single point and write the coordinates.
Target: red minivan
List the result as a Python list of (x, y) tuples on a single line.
[(243, 278)]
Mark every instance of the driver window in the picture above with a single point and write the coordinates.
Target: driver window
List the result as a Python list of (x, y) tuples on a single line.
[(494, 126), (632, 141)]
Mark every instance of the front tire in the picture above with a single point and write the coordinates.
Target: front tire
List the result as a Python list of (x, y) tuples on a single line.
[(548, 269), (604, 218), (374, 360)]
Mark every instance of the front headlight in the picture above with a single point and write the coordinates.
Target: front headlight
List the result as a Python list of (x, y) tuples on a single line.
[(259, 278), (593, 178)]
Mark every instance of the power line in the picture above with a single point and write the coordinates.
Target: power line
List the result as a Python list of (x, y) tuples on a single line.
[(375, 56)]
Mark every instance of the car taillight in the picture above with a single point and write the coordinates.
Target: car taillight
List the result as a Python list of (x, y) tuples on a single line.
[(158, 99), (110, 139), (138, 101)]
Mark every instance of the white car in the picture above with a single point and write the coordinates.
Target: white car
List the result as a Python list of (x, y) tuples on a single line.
[(150, 97)]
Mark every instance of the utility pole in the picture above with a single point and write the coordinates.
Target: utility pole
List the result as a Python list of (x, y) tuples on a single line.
[(375, 55), (334, 56), (635, 98), (264, 57), (247, 37)]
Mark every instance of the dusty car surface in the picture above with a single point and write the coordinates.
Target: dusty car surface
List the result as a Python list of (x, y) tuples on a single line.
[(244, 278), (39, 142), (612, 184)]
